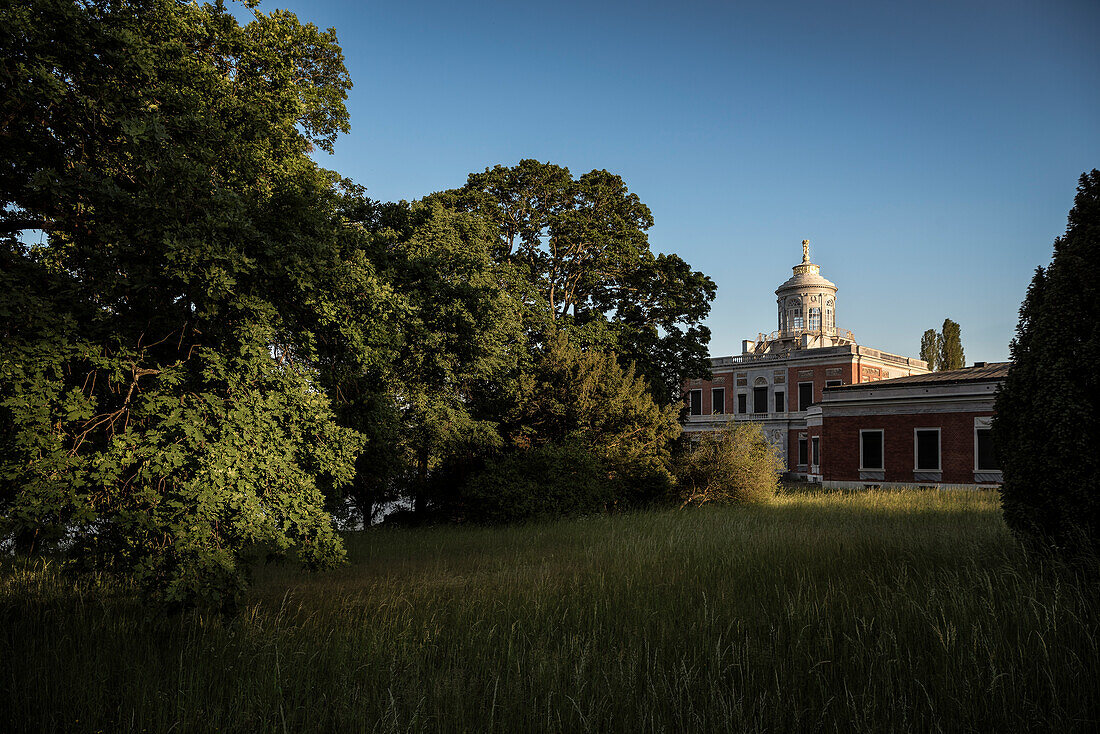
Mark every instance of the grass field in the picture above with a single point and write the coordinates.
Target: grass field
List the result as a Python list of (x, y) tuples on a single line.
[(874, 611)]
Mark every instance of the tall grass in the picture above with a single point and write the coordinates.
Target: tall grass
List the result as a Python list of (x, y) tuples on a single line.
[(872, 611)]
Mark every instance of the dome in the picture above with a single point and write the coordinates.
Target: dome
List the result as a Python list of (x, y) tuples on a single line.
[(806, 274), (806, 279)]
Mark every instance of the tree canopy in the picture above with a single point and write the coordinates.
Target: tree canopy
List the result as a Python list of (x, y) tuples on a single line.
[(582, 244), (159, 403)]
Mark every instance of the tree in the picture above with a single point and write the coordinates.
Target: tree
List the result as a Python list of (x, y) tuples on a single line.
[(579, 413), (582, 245), (736, 465), (950, 355), (1047, 420), (929, 348), (160, 406)]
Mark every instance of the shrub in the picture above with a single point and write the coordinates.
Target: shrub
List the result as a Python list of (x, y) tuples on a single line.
[(732, 466), (555, 479)]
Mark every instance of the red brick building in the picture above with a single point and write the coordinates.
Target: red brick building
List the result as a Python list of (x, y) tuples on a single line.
[(930, 429), (825, 400)]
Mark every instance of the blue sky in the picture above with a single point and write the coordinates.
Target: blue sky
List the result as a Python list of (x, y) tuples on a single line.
[(928, 150)]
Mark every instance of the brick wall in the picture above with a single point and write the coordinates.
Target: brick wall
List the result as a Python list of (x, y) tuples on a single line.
[(819, 374), (840, 445), (723, 381)]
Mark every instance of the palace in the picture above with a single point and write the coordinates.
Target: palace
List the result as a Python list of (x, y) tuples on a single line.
[(844, 414)]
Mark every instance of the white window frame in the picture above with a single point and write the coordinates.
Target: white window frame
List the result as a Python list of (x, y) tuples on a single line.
[(882, 445), (939, 449), (700, 391), (811, 384), (982, 424), (723, 391)]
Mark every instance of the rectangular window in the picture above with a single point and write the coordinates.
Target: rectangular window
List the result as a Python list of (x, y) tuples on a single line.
[(926, 447), (870, 450), (780, 402), (984, 452), (742, 403), (815, 319), (718, 400), (805, 395), (815, 451), (760, 400), (695, 402), (833, 383), (802, 452)]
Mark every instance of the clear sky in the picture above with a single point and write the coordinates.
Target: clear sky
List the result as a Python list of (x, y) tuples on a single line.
[(929, 150)]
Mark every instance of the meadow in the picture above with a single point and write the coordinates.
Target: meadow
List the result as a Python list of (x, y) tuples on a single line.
[(825, 611)]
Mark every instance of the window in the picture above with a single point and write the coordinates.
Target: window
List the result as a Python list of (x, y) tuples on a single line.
[(870, 449), (985, 453), (833, 383), (796, 318), (815, 451), (815, 319), (926, 449), (802, 452), (742, 403), (830, 320), (718, 400), (760, 400), (695, 403), (780, 402), (805, 395)]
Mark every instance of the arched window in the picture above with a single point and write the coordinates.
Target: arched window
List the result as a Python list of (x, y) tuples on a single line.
[(815, 320), (796, 318), (830, 316)]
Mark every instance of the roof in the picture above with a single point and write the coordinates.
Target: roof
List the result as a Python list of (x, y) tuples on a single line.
[(807, 279), (989, 372)]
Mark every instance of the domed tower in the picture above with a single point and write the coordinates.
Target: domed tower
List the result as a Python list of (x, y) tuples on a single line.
[(807, 312), (807, 301)]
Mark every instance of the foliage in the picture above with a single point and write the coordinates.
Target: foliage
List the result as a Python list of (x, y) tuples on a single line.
[(160, 402), (1047, 422), (549, 480), (950, 353), (582, 245), (737, 464), (929, 348)]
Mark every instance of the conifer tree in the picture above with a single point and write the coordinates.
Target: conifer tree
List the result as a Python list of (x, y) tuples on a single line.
[(1047, 421)]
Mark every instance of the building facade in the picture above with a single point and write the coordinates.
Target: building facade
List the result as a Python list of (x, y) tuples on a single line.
[(830, 404)]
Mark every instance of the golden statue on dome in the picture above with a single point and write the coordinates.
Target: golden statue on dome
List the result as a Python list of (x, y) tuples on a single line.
[(805, 251)]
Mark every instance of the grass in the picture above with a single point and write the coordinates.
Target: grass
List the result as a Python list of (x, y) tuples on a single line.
[(872, 611)]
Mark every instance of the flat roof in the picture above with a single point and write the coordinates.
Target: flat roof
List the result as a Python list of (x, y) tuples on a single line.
[(988, 372)]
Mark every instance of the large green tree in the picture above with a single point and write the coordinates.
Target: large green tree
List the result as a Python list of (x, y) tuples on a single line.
[(582, 245), (1047, 423), (159, 402)]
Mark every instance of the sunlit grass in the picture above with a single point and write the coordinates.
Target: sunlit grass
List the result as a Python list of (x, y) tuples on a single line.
[(871, 611)]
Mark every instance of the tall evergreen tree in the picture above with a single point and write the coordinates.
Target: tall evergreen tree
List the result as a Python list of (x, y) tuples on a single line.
[(929, 348), (1047, 423), (950, 347)]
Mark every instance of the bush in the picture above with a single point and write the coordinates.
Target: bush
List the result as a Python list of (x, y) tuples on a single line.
[(1046, 428), (551, 480), (733, 466)]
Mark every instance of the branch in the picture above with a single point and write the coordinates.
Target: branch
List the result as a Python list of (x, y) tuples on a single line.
[(11, 226)]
